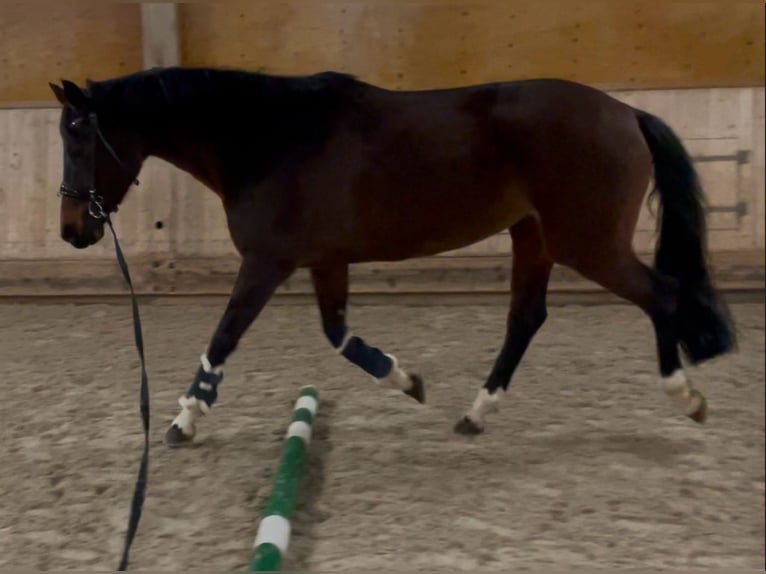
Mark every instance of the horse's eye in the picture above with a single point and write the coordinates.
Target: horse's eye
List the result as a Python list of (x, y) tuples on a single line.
[(75, 123)]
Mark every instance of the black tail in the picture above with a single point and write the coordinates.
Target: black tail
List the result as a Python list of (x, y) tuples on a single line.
[(705, 326)]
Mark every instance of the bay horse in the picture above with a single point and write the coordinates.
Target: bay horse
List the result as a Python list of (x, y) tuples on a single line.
[(323, 171)]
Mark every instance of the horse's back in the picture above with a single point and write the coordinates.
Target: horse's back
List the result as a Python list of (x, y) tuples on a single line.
[(420, 172)]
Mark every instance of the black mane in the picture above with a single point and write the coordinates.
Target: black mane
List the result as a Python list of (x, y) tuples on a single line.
[(173, 90)]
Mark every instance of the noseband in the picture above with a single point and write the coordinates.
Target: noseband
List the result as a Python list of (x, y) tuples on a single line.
[(96, 208)]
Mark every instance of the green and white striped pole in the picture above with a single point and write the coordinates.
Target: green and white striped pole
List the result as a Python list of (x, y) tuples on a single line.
[(273, 534)]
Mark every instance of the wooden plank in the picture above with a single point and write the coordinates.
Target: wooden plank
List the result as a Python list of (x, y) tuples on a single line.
[(759, 168), (215, 276), (409, 44), (398, 43), (193, 226), (159, 29), (30, 173), (75, 40)]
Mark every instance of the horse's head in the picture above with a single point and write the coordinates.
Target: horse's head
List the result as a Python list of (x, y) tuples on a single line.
[(101, 161)]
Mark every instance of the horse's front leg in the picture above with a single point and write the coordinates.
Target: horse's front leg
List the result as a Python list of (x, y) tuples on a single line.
[(256, 282)]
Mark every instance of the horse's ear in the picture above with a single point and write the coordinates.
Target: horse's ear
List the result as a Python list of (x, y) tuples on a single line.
[(58, 91), (75, 96)]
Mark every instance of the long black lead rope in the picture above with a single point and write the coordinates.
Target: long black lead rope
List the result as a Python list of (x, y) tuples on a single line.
[(97, 211), (139, 492)]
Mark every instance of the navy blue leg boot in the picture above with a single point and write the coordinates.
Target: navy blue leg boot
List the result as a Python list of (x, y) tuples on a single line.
[(197, 402)]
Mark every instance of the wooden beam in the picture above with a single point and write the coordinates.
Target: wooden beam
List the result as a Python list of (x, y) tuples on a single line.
[(159, 25), (157, 275)]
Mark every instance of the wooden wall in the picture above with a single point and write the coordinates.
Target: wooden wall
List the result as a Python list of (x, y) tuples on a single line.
[(44, 42), (192, 252), (423, 44), (399, 43), (699, 65)]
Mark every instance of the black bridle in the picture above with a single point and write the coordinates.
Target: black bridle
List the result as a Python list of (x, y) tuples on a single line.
[(95, 201), (98, 211)]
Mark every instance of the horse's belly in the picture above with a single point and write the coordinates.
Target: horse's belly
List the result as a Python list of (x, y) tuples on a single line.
[(446, 225), (465, 233)]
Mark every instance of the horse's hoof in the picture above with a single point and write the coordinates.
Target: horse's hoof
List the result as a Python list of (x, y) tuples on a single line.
[(467, 427), (700, 415), (418, 389), (175, 437)]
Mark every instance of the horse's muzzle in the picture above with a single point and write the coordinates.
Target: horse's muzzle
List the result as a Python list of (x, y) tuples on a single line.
[(81, 240)]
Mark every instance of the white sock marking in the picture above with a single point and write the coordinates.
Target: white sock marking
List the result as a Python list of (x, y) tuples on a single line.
[(191, 409), (344, 342), (678, 389), (483, 404), (208, 367), (397, 378)]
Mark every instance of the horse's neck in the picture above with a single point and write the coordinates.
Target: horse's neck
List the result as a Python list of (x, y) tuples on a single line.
[(192, 156), (203, 155)]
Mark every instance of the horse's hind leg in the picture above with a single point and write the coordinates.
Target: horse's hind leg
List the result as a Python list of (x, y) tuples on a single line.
[(529, 284), (657, 295), (331, 287)]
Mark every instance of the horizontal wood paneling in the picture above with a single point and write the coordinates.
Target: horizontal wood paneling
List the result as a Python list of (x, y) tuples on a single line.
[(427, 44), (722, 127), (758, 168), (160, 274), (398, 43), (43, 42), (30, 174)]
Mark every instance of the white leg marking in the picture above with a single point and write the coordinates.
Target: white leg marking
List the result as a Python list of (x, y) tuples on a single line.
[(678, 389), (208, 367), (344, 342), (483, 404), (397, 378), (191, 409)]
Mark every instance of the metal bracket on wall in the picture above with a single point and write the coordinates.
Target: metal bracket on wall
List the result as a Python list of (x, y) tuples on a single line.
[(739, 208), (741, 157)]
